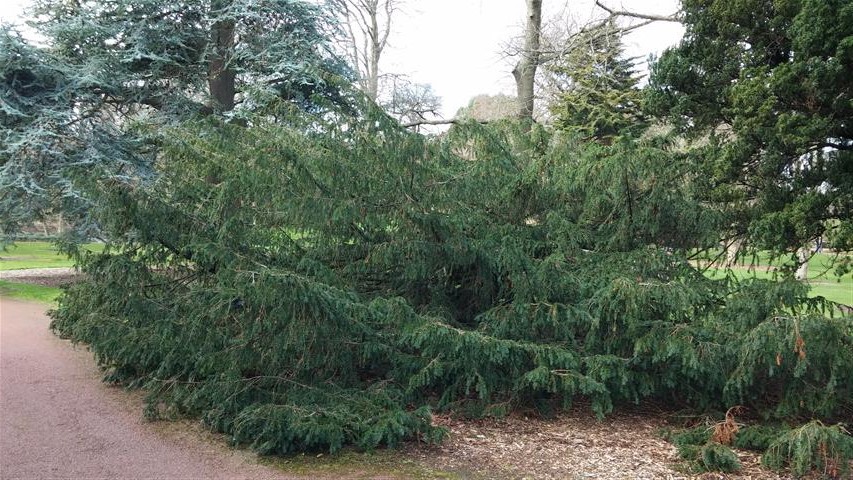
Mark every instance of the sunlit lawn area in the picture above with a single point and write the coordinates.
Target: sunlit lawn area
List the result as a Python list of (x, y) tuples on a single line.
[(24, 291), (43, 254), (37, 255), (821, 276)]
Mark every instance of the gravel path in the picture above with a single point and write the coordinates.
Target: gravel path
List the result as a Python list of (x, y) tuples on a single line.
[(57, 420), (36, 272), (51, 277)]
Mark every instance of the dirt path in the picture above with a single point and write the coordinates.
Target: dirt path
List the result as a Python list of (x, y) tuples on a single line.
[(51, 277), (57, 420)]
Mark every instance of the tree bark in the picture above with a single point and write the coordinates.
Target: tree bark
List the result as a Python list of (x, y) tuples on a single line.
[(375, 52), (803, 255), (525, 70), (220, 75), (368, 25), (732, 251)]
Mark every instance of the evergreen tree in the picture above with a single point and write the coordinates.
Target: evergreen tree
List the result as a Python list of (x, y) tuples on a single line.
[(73, 106), (599, 97), (358, 275), (766, 85)]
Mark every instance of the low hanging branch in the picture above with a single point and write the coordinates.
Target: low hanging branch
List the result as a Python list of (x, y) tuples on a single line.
[(643, 16), (440, 121)]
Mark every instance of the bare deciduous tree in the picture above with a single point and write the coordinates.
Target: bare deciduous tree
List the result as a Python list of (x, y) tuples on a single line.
[(367, 25), (410, 103), (489, 108)]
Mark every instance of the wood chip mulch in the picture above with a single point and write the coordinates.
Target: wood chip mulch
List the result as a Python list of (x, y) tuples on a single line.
[(572, 446)]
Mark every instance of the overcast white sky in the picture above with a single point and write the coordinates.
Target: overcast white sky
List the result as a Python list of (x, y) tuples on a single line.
[(456, 45)]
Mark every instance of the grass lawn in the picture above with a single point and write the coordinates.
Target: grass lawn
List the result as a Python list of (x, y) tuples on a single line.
[(37, 255), (821, 278), (33, 293), (837, 292), (44, 254)]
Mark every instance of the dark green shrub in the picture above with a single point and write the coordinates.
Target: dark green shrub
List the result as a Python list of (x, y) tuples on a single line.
[(701, 453), (706, 457), (812, 447), (310, 286), (696, 436), (758, 437), (713, 457)]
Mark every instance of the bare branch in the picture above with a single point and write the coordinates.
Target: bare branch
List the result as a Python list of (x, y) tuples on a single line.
[(590, 32), (449, 121), (643, 16), (847, 145)]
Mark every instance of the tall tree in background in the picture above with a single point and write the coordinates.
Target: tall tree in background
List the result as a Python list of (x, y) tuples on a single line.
[(367, 24), (542, 46), (525, 70), (768, 84), (489, 108), (71, 107), (598, 95)]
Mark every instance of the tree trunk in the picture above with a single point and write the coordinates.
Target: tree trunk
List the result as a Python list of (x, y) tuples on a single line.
[(732, 251), (220, 75), (525, 70), (375, 53), (802, 272), (368, 35)]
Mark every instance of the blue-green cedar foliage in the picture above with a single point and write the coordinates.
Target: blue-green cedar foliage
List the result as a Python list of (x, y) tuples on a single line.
[(71, 100), (310, 285)]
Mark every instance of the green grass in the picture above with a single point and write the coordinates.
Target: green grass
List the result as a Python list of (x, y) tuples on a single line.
[(37, 255), (837, 292), (43, 254), (32, 293), (821, 278)]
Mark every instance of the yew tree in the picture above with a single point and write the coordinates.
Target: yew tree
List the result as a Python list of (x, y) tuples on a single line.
[(305, 285), (304, 276), (765, 86)]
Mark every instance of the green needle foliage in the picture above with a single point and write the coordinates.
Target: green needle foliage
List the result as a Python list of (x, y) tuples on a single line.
[(715, 457), (812, 447), (310, 284), (701, 452), (70, 105), (599, 97), (758, 437), (764, 86)]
